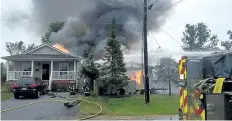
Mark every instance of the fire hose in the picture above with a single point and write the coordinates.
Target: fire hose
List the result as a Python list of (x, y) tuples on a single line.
[(64, 101)]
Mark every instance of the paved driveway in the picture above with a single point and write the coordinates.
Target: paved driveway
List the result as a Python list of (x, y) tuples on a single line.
[(39, 111)]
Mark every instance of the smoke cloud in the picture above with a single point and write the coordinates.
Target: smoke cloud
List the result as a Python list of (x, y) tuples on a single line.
[(88, 21)]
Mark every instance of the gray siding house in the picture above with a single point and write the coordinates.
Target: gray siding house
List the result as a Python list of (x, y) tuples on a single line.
[(46, 62)]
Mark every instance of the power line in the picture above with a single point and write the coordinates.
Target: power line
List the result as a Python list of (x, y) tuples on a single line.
[(167, 34), (168, 8), (160, 11), (156, 1), (155, 38)]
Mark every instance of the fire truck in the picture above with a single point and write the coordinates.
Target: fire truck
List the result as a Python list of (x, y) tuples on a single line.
[(206, 87)]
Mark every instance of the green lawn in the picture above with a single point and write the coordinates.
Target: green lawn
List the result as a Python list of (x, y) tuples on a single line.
[(133, 106), (5, 95)]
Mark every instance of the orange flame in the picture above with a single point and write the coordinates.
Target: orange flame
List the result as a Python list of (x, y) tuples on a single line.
[(138, 77), (61, 48)]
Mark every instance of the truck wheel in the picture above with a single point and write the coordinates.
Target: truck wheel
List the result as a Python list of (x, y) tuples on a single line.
[(180, 114), (16, 96), (121, 92)]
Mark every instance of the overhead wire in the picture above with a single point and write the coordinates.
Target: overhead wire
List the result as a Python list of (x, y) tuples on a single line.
[(155, 39), (168, 34), (168, 8), (159, 11)]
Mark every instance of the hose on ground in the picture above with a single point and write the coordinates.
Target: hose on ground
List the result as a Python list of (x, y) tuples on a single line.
[(84, 118), (91, 116)]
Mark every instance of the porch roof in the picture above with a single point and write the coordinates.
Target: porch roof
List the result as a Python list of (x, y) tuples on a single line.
[(39, 57)]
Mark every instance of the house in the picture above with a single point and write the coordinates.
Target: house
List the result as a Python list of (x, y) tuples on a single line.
[(47, 62)]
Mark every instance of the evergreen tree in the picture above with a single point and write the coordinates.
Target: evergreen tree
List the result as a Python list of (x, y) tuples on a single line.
[(114, 67), (88, 68)]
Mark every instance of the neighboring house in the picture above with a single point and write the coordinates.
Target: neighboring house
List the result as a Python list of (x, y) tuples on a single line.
[(46, 62)]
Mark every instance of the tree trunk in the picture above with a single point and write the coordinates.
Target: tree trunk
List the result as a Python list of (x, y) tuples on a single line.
[(169, 86)]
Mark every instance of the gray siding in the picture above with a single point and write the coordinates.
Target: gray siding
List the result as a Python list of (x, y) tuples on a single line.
[(46, 50), (38, 71), (55, 66)]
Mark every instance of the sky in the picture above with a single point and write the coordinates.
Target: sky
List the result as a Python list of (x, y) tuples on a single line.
[(214, 13)]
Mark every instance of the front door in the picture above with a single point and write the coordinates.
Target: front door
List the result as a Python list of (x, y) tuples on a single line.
[(45, 72)]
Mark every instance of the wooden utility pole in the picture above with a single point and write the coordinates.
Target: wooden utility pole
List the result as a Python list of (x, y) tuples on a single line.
[(147, 96)]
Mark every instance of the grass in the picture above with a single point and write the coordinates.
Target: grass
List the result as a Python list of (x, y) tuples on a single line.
[(4, 94), (132, 106)]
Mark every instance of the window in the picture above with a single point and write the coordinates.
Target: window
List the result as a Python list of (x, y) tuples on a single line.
[(63, 66), (24, 81), (26, 66)]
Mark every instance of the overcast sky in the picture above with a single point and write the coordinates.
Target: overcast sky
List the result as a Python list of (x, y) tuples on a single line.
[(216, 14)]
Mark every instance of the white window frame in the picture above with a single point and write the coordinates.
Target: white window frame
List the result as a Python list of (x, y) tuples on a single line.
[(23, 65), (60, 65), (26, 64)]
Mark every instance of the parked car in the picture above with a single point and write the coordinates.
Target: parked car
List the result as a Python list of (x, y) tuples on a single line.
[(29, 86)]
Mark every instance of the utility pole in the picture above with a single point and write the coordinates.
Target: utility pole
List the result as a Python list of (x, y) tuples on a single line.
[(147, 96)]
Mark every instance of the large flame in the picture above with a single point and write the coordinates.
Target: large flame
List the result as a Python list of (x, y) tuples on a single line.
[(61, 48), (138, 77)]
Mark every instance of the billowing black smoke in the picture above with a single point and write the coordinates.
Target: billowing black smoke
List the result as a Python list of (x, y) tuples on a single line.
[(88, 21)]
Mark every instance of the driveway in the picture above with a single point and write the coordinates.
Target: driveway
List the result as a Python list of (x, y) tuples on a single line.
[(39, 111)]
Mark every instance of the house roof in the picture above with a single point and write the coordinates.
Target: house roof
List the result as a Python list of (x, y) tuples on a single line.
[(30, 55), (43, 45)]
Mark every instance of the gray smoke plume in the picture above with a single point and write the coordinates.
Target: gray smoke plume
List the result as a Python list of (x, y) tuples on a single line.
[(88, 21)]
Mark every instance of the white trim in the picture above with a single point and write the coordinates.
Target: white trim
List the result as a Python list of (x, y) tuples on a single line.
[(41, 58), (32, 68), (63, 79), (18, 74), (43, 45), (50, 78), (7, 70), (75, 69), (35, 49)]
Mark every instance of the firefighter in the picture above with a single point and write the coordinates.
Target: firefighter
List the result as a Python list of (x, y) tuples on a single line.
[(86, 89)]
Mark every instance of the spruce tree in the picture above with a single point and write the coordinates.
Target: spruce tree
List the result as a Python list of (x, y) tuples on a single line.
[(114, 67), (89, 67)]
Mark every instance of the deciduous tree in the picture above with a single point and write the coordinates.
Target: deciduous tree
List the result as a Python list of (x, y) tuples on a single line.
[(167, 71), (227, 44), (198, 38), (19, 47)]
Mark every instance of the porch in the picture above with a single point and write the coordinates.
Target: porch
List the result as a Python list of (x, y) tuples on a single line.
[(48, 71), (46, 62)]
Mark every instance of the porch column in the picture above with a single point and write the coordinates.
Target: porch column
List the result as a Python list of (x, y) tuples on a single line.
[(51, 75), (32, 68), (75, 70), (7, 70)]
